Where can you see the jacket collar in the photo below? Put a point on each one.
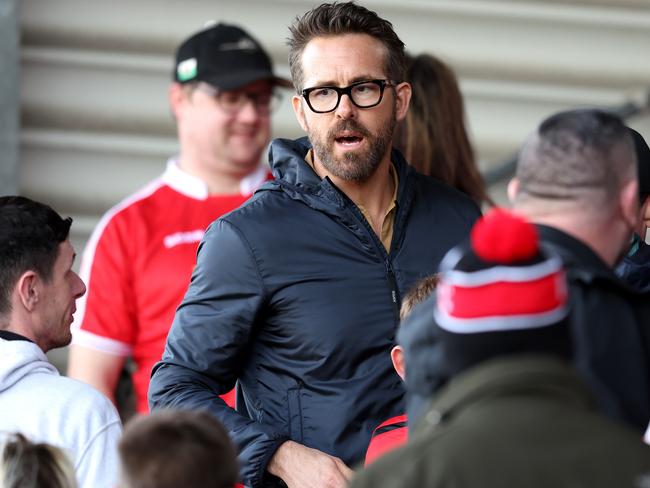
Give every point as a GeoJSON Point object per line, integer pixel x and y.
{"type": "Point", "coordinates": [7, 335]}
{"type": "Point", "coordinates": [534, 375]}
{"type": "Point", "coordinates": [579, 258]}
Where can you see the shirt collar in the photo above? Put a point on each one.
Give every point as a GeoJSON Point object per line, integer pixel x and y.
{"type": "Point", "coordinates": [7, 335]}
{"type": "Point", "coordinates": [194, 187]}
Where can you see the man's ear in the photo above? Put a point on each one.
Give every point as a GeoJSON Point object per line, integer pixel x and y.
{"type": "Point", "coordinates": [513, 189]}
{"type": "Point", "coordinates": [28, 289]}
{"type": "Point", "coordinates": [402, 100]}
{"type": "Point", "coordinates": [629, 204]}
{"type": "Point", "coordinates": [644, 217]}
{"type": "Point", "coordinates": [177, 97]}
{"type": "Point", "coordinates": [397, 356]}
{"type": "Point", "coordinates": [299, 110]}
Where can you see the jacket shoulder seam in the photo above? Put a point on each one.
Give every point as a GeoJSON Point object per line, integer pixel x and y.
{"type": "Point", "coordinates": [249, 248]}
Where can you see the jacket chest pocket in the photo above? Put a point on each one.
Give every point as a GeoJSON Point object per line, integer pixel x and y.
{"type": "Point", "coordinates": [295, 414]}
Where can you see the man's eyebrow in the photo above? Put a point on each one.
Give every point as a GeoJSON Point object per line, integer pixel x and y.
{"type": "Point", "coordinates": [356, 79]}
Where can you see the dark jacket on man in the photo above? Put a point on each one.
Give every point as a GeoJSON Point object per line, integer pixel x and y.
{"type": "Point", "coordinates": [296, 299]}
{"type": "Point", "coordinates": [634, 268]}
{"type": "Point", "coordinates": [610, 325]}
{"type": "Point", "coordinates": [516, 421]}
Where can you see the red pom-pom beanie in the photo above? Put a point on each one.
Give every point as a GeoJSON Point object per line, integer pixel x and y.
{"type": "Point", "coordinates": [501, 293]}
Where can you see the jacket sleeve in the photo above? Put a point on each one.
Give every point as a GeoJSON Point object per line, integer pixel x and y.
{"type": "Point", "coordinates": [208, 341]}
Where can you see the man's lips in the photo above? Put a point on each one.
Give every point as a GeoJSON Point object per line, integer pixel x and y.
{"type": "Point", "coordinates": [349, 138]}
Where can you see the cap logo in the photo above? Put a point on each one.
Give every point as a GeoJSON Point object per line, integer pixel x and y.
{"type": "Point", "coordinates": [243, 44]}
{"type": "Point", "coordinates": [187, 69]}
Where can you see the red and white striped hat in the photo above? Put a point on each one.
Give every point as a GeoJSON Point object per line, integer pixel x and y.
{"type": "Point", "coordinates": [503, 280]}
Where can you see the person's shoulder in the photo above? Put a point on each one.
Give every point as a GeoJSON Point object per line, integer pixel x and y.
{"type": "Point", "coordinates": [420, 462]}
{"type": "Point", "coordinates": [132, 211]}
{"type": "Point", "coordinates": [437, 190]}
{"type": "Point", "coordinates": [443, 199]}
{"type": "Point", "coordinates": [88, 401]}
{"type": "Point", "coordinates": [267, 205]}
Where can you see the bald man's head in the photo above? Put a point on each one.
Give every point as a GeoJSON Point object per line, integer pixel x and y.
{"type": "Point", "coordinates": [581, 156]}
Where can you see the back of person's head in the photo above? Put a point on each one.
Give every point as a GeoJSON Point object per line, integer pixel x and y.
{"type": "Point", "coordinates": [500, 294]}
{"type": "Point", "coordinates": [25, 464]}
{"type": "Point", "coordinates": [433, 137]}
{"type": "Point", "coordinates": [417, 294]}
{"type": "Point", "coordinates": [174, 448]}
{"type": "Point", "coordinates": [341, 18]}
{"type": "Point", "coordinates": [30, 234]}
{"type": "Point", "coordinates": [577, 159]}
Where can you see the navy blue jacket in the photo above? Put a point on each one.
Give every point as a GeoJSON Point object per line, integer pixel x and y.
{"type": "Point", "coordinates": [295, 297]}
{"type": "Point", "coordinates": [634, 268]}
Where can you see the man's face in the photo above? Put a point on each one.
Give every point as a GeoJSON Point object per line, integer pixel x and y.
{"type": "Point", "coordinates": [350, 142]}
{"type": "Point", "coordinates": [224, 140]}
{"type": "Point", "coordinates": [59, 295]}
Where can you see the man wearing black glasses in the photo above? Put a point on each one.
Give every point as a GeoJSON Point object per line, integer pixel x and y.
{"type": "Point", "coordinates": [296, 294]}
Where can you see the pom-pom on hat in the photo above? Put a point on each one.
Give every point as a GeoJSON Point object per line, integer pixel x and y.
{"type": "Point", "coordinates": [503, 281]}
{"type": "Point", "coordinates": [500, 293]}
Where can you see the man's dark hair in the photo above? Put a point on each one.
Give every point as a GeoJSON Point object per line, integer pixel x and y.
{"type": "Point", "coordinates": [577, 153]}
{"type": "Point", "coordinates": [30, 234]}
{"type": "Point", "coordinates": [422, 289]}
{"type": "Point", "coordinates": [339, 18]}
{"type": "Point", "coordinates": [172, 448]}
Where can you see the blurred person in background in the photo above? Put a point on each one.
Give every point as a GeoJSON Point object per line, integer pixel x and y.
{"type": "Point", "coordinates": [138, 262]}
{"type": "Point", "coordinates": [433, 136]}
{"type": "Point", "coordinates": [177, 448]}
{"type": "Point", "coordinates": [38, 294]}
{"type": "Point", "coordinates": [24, 464]}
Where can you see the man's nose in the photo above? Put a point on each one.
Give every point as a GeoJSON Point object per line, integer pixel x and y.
{"type": "Point", "coordinates": [79, 287]}
{"type": "Point", "coordinates": [346, 109]}
{"type": "Point", "coordinates": [249, 111]}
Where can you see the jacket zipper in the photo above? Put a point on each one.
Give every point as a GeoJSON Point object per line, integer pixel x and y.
{"type": "Point", "coordinates": [392, 282]}
{"type": "Point", "coordinates": [390, 274]}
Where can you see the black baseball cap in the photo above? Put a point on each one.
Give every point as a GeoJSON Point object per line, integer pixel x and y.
{"type": "Point", "coordinates": [224, 56]}
{"type": "Point", "coordinates": [643, 161]}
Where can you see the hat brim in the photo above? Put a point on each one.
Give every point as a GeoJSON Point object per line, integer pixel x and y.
{"type": "Point", "coordinates": [241, 79]}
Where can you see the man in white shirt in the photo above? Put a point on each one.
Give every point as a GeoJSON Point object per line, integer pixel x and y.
{"type": "Point", "coordinates": [38, 291]}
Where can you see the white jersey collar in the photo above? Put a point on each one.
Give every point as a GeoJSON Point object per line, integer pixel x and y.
{"type": "Point", "coordinates": [195, 187]}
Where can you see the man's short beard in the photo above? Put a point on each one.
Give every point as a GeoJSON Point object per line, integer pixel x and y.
{"type": "Point", "coordinates": [354, 166]}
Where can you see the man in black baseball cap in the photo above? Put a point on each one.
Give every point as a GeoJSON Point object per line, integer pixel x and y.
{"type": "Point", "coordinates": [226, 57]}
{"type": "Point", "coordinates": [140, 258]}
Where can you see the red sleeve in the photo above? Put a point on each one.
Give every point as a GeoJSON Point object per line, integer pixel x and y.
{"type": "Point", "coordinates": [105, 319]}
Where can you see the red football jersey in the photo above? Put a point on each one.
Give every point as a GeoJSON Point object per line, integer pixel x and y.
{"type": "Point", "coordinates": [388, 435]}
{"type": "Point", "coordinates": [137, 267]}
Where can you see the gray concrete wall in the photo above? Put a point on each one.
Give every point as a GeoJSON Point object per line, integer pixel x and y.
{"type": "Point", "coordinates": [9, 111]}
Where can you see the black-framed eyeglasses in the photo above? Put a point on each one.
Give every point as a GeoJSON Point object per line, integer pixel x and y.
{"type": "Point", "coordinates": [234, 100]}
{"type": "Point", "coordinates": [364, 94]}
